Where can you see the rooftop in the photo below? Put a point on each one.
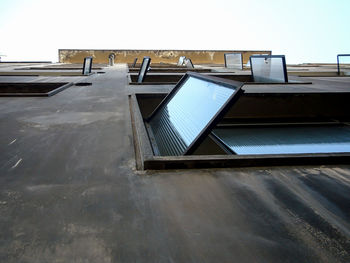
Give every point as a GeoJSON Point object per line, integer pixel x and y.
{"type": "Point", "coordinates": [70, 189]}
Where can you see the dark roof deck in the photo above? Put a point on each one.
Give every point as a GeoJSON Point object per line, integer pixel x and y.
{"type": "Point", "coordinates": [69, 189]}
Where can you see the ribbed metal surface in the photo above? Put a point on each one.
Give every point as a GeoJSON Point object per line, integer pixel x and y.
{"type": "Point", "coordinates": [286, 140]}
{"type": "Point", "coordinates": [178, 123]}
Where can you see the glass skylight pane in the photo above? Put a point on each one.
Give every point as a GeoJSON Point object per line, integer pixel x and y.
{"type": "Point", "coordinates": [234, 61]}
{"type": "Point", "coordinates": [269, 69]}
{"type": "Point", "coordinates": [143, 69]}
{"type": "Point", "coordinates": [179, 122]}
{"type": "Point", "coordinates": [286, 140]}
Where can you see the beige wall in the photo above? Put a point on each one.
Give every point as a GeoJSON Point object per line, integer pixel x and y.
{"type": "Point", "coordinates": [157, 56]}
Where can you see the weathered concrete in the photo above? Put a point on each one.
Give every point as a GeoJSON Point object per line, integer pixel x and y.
{"type": "Point", "coordinates": [157, 56]}
{"type": "Point", "coordinates": [69, 192]}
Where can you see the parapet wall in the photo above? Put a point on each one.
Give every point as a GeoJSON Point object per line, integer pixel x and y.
{"type": "Point", "coordinates": [157, 56]}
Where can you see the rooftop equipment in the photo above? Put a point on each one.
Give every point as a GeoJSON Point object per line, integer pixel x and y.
{"type": "Point", "coordinates": [111, 59]}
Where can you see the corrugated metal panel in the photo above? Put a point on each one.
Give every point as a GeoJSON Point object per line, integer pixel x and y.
{"type": "Point", "coordinates": [179, 122]}
{"type": "Point", "coordinates": [286, 140]}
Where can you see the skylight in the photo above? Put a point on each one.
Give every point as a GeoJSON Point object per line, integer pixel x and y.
{"type": "Point", "coordinates": [185, 117]}
{"type": "Point", "coordinates": [181, 61]}
{"type": "Point", "coordinates": [269, 68]}
{"type": "Point", "coordinates": [143, 69]}
{"type": "Point", "coordinates": [233, 60]}
{"type": "Point", "coordinates": [343, 59]}
{"type": "Point", "coordinates": [87, 66]}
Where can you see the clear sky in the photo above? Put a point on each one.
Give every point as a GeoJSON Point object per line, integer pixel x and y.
{"type": "Point", "coordinates": [303, 30]}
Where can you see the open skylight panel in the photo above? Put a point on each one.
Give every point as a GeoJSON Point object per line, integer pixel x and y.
{"type": "Point", "coordinates": [143, 69]}
{"type": "Point", "coordinates": [269, 69]}
{"type": "Point", "coordinates": [134, 63]}
{"type": "Point", "coordinates": [87, 66]}
{"type": "Point", "coordinates": [343, 63]}
{"type": "Point", "coordinates": [188, 63]}
{"type": "Point", "coordinates": [181, 61]}
{"type": "Point", "coordinates": [185, 117]}
{"type": "Point", "coordinates": [233, 61]}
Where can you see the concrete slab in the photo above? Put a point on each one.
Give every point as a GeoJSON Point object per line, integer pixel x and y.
{"type": "Point", "coordinates": [69, 192]}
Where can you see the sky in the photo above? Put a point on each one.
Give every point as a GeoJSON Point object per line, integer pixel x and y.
{"type": "Point", "coordinates": [302, 30]}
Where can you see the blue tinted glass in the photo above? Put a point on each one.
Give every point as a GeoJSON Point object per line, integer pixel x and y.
{"type": "Point", "coordinates": [286, 140]}
{"type": "Point", "coordinates": [178, 123]}
{"type": "Point", "coordinates": [268, 69]}
{"type": "Point", "coordinates": [234, 60]}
